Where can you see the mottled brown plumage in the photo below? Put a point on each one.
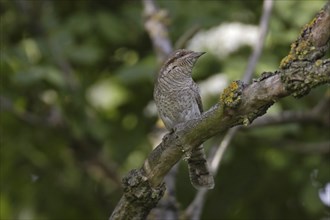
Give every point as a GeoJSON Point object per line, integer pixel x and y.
{"type": "Point", "coordinates": [178, 100]}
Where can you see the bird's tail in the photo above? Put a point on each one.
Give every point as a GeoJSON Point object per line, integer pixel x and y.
{"type": "Point", "coordinates": [199, 172]}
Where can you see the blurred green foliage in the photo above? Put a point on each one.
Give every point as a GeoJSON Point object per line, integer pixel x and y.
{"type": "Point", "coordinates": [76, 87]}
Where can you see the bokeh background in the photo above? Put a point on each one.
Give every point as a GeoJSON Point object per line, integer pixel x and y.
{"type": "Point", "coordinates": [77, 112]}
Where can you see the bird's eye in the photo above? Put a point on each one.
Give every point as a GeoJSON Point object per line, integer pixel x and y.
{"type": "Point", "coordinates": [179, 54]}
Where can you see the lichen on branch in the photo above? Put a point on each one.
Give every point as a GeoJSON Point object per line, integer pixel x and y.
{"type": "Point", "coordinates": [313, 40]}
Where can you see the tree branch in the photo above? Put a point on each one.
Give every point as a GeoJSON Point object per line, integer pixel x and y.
{"type": "Point", "coordinates": [239, 104]}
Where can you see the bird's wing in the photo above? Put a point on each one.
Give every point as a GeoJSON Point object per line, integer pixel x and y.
{"type": "Point", "coordinates": [197, 97]}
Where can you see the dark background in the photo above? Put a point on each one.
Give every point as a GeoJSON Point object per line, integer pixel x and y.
{"type": "Point", "coordinates": [76, 111]}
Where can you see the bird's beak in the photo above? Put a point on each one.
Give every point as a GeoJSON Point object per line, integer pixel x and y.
{"type": "Point", "coordinates": [198, 54]}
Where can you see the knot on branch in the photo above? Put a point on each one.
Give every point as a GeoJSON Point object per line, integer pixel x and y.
{"type": "Point", "coordinates": [138, 189]}
{"type": "Point", "coordinates": [304, 76]}
{"type": "Point", "coordinates": [231, 96]}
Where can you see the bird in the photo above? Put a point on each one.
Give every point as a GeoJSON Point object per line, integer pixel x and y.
{"type": "Point", "coordinates": [178, 100]}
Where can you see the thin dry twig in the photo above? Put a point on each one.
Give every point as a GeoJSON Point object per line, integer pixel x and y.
{"type": "Point", "coordinates": [263, 29]}
{"type": "Point", "coordinates": [155, 25]}
{"type": "Point", "coordinates": [319, 115]}
{"type": "Point", "coordinates": [182, 41]}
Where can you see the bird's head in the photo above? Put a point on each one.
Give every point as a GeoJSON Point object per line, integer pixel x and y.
{"type": "Point", "coordinates": [181, 61]}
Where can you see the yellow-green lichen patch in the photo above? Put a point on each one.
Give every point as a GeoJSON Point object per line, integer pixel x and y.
{"type": "Point", "coordinates": [231, 96]}
{"type": "Point", "coordinates": [318, 62]}
{"type": "Point", "coordinates": [302, 47]}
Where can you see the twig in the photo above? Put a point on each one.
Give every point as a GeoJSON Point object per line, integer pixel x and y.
{"type": "Point", "coordinates": [167, 208]}
{"type": "Point", "coordinates": [98, 167]}
{"type": "Point", "coordinates": [319, 114]}
{"type": "Point", "coordinates": [289, 117]}
{"type": "Point", "coordinates": [182, 41]}
{"type": "Point", "coordinates": [263, 29]}
{"type": "Point", "coordinates": [195, 208]}
{"type": "Point", "coordinates": [157, 30]}
{"type": "Point", "coordinates": [323, 105]}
